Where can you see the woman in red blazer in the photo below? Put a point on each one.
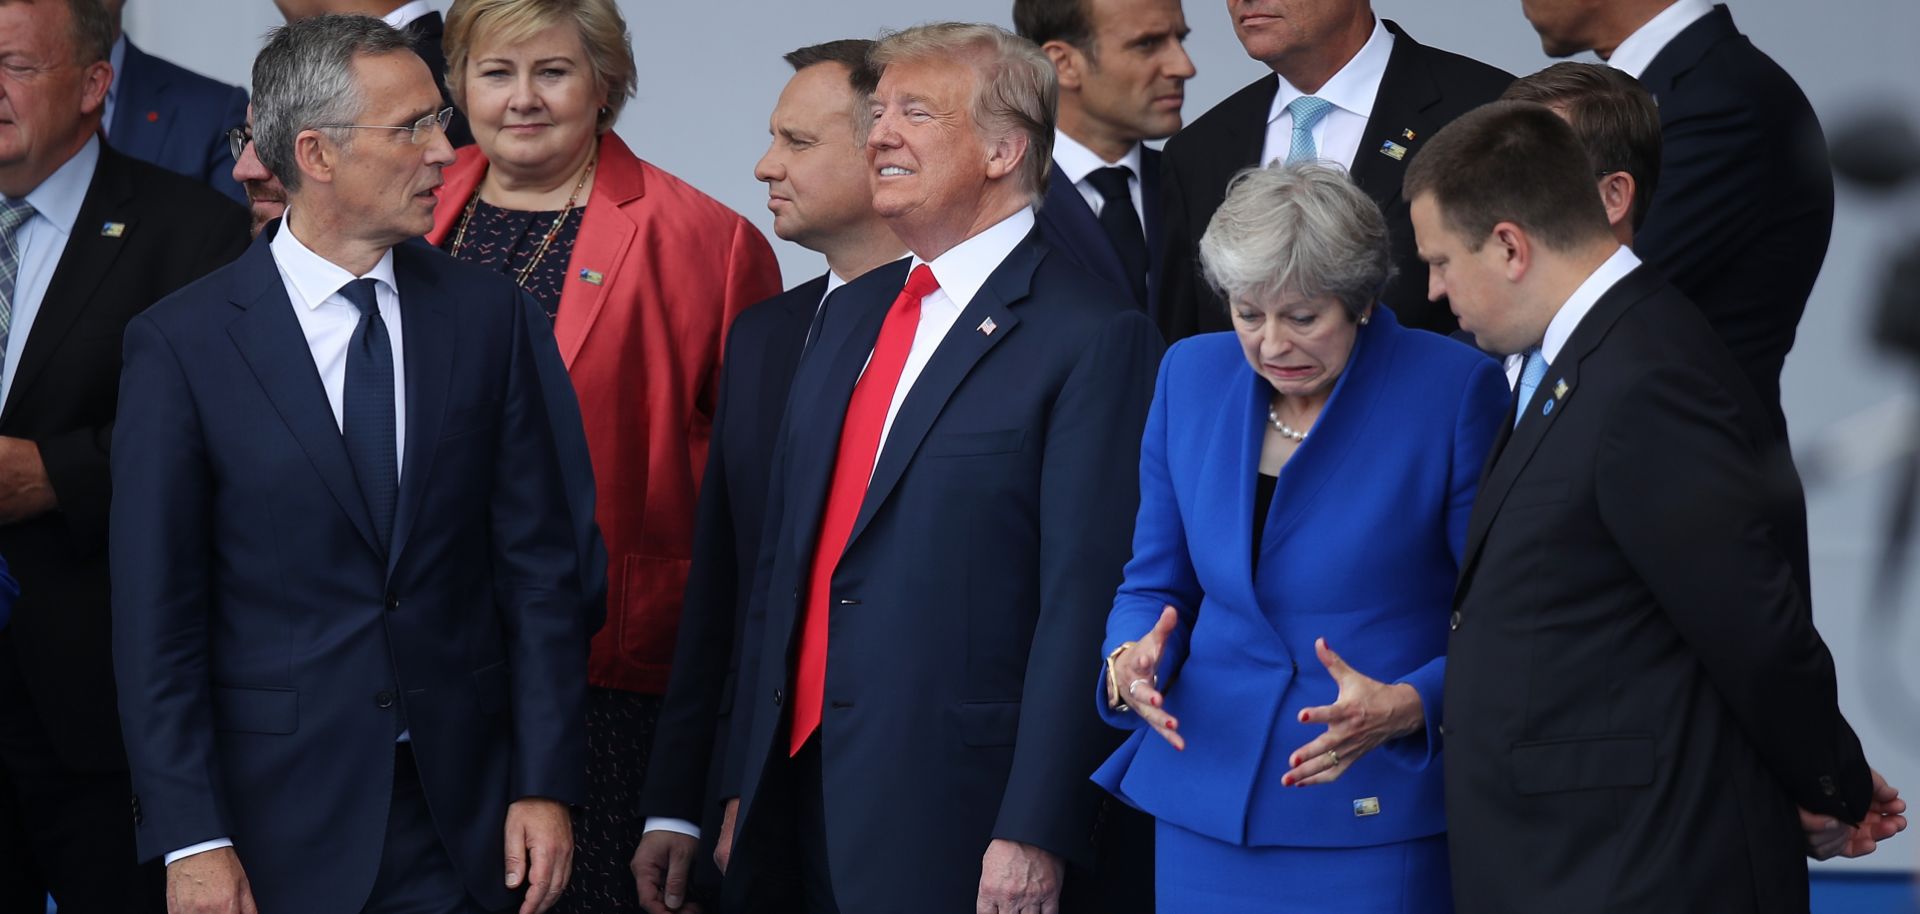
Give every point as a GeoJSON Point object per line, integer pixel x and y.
{"type": "Point", "coordinates": [641, 275]}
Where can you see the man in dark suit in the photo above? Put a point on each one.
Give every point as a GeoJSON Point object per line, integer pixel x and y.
{"type": "Point", "coordinates": [816, 175]}
{"type": "Point", "coordinates": [161, 112]}
{"type": "Point", "coordinates": [1347, 88]}
{"type": "Point", "coordinates": [1617, 124]}
{"type": "Point", "coordinates": [1744, 211]}
{"type": "Point", "coordinates": [955, 485]}
{"type": "Point", "coordinates": [347, 599]}
{"type": "Point", "coordinates": [1122, 75]}
{"type": "Point", "coordinates": [1633, 656]}
{"type": "Point", "coordinates": [424, 28]}
{"type": "Point", "coordinates": [88, 238]}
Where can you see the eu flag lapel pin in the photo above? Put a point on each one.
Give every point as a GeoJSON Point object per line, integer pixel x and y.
{"type": "Point", "coordinates": [1393, 150]}
{"type": "Point", "coordinates": [987, 327]}
{"type": "Point", "coordinates": [113, 229]}
{"type": "Point", "coordinates": [593, 277]}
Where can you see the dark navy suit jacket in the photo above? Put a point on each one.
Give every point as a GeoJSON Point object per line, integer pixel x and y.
{"type": "Point", "coordinates": [1071, 228]}
{"type": "Point", "coordinates": [1361, 546]}
{"type": "Point", "coordinates": [971, 589]}
{"type": "Point", "coordinates": [177, 119]}
{"type": "Point", "coordinates": [264, 643]}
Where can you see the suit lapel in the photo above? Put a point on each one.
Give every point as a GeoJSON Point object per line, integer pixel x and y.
{"type": "Point", "coordinates": [1079, 229]}
{"type": "Point", "coordinates": [1686, 50]}
{"type": "Point", "coordinates": [269, 338]}
{"type": "Point", "coordinates": [88, 258]}
{"type": "Point", "coordinates": [951, 361]}
{"type": "Point", "coordinates": [143, 89]}
{"type": "Point", "coordinates": [606, 232]}
{"type": "Point", "coordinates": [1407, 89]}
{"type": "Point", "coordinates": [1150, 202]}
{"type": "Point", "coordinates": [427, 343]}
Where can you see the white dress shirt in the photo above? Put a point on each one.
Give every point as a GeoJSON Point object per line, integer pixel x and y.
{"type": "Point", "coordinates": [1634, 54]}
{"type": "Point", "coordinates": [1577, 305]}
{"type": "Point", "coordinates": [1076, 161]}
{"type": "Point", "coordinates": [40, 241]}
{"type": "Point", "coordinates": [328, 320]}
{"type": "Point", "coordinates": [407, 13]}
{"type": "Point", "coordinates": [1352, 91]}
{"type": "Point", "coordinates": [117, 58]}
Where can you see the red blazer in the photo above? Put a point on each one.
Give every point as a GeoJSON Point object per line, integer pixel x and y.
{"type": "Point", "coordinates": [658, 273]}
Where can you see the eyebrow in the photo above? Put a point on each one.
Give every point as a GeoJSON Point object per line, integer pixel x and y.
{"type": "Point", "coordinates": [559, 59]}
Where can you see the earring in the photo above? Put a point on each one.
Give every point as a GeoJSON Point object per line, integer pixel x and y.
{"type": "Point", "coordinates": [1364, 318]}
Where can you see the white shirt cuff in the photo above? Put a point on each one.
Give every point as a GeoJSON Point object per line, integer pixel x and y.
{"type": "Point", "coordinates": [677, 826]}
{"type": "Point", "coordinates": [200, 848]}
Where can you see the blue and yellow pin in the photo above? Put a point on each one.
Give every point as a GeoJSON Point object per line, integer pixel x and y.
{"type": "Point", "coordinates": [113, 229]}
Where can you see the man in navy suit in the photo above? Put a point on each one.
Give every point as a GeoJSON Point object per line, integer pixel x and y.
{"type": "Point", "coordinates": [161, 112]}
{"type": "Point", "coordinates": [1744, 210]}
{"type": "Point", "coordinates": [816, 176]}
{"type": "Point", "coordinates": [948, 517]}
{"type": "Point", "coordinates": [347, 616]}
{"type": "Point", "coordinates": [1122, 75]}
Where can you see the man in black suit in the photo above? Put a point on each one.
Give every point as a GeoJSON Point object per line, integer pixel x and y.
{"type": "Point", "coordinates": [1347, 88]}
{"type": "Point", "coordinates": [1744, 211]}
{"type": "Point", "coordinates": [91, 237]}
{"type": "Point", "coordinates": [424, 28]}
{"type": "Point", "coordinates": [1635, 691]}
{"type": "Point", "coordinates": [954, 495]}
{"type": "Point", "coordinates": [816, 175]}
{"type": "Point", "coordinates": [1123, 76]}
{"type": "Point", "coordinates": [1618, 125]}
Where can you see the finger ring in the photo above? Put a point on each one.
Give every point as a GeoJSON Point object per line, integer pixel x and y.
{"type": "Point", "coordinates": [1134, 685]}
{"type": "Point", "coordinates": [1333, 755]}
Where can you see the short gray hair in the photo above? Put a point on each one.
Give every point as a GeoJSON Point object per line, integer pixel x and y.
{"type": "Point", "coordinates": [304, 77]}
{"type": "Point", "coordinates": [1304, 230]}
{"type": "Point", "coordinates": [1014, 92]}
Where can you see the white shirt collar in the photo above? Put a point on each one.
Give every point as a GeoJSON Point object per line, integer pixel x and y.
{"type": "Point", "coordinates": [1353, 88]}
{"type": "Point", "coordinates": [1076, 161]}
{"type": "Point", "coordinates": [1638, 51]}
{"type": "Point", "coordinates": [833, 282]}
{"type": "Point", "coordinates": [407, 13]}
{"type": "Point", "coordinates": [58, 198]}
{"type": "Point", "coordinates": [964, 268]}
{"type": "Point", "coordinates": [1561, 328]}
{"type": "Point", "coordinates": [315, 277]}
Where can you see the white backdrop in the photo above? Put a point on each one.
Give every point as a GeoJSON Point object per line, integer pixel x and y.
{"type": "Point", "coordinates": [710, 71]}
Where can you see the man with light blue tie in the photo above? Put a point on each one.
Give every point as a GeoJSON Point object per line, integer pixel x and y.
{"type": "Point", "coordinates": [1347, 88]}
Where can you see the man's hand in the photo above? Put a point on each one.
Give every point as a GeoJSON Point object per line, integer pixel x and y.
{"type": "Point", "coordinates": [1828, 837]}
{"type": "Point", "coordinates": [24, 489]}
{"type": "Point", "coordinates": [539, 851]}
{"type": "Point", "coordinates": [211, 882]}
{"type": "Point", "coordinates": [660, 868]}
{"type": "Point", "coordinates": [1019, 878]}
{"type": "Point", "coordinates": [723, 846]}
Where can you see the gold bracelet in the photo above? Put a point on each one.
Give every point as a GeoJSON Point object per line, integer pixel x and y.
{"type": "Point", "coordinates": [1114, 701]}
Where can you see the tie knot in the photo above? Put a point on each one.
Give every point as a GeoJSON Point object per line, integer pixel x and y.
{"type": "Point", "coordinates": [13, 213]}
{"type": "Point", "coordinates": [920, 284]}
{"type": "Point", "coordinates": [1111, 181]}
{"type": "Point", "coordinates": [360, 293]}
{"type": "Point", "coordinates": [1307, 110]}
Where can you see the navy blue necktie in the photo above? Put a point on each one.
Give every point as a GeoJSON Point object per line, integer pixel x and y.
{"type": "Point", "coordinates": [1121, 222]}
{"type": "Point", "coordinates": [367, 421]}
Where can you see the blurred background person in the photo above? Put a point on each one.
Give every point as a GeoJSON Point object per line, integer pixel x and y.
{"type": "Point", "coordinates": [640, 275]}
{"type": "Point", "coordinates": [422, 25]}
{"type": "Point", "coordinates": [88, 238]}
{"type": "Point", "coordinates": [1618, 125]}
{"type": "Point", "coordinates": [1123, 74]}
{"type": "Point", "coordinates": [1744, 211]}
{"type": "Point", "coordinates": [1306, 483]}
{"type": "Point", "coordinates": [1347, 88]}
{"type": "Point", "coordinates": [815, 170]}
{"type": "Point", "coordinates": [163, 113]}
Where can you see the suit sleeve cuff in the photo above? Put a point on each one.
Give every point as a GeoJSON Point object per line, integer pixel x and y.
{"type": "Point", "coordinates": [677, 826]}
{"type": "Point", "coordinates": [1417, 750]}
{"type": "Point", "coordinates": [200, 848]}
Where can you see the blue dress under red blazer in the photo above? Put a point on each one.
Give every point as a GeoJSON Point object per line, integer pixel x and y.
{"type": "Point", "coordinates": [1362, 546]}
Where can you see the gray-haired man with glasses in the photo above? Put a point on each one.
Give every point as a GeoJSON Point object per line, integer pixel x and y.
{"type": "Point", "coordinates": [347, 617]}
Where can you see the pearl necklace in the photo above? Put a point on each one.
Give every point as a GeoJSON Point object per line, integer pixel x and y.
{"type": "Point", "coordinates": [1285, 430]}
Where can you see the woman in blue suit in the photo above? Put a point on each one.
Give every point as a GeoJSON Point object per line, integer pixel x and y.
{"type": "Point", "coordinates": [1305, 483]}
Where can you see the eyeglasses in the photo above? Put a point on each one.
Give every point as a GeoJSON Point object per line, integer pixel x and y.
{"type": "Point", "coordinates": [422, 129]}
{"type": "Point", "coordinates": [237, 140]}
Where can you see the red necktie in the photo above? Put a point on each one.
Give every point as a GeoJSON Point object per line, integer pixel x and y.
{"type": "Point", "coordinates": [852, 469]}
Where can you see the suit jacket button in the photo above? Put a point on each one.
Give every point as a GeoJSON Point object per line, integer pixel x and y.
{"type": "Point", "coordinates": [778, 697]}
{"type": "Point", "coordinates": [1443, 729]}
{"type": "Point", "coordinates": [393, 602]}
{"type": "Point", "coordinates": [1826, 785]}
{"type": "Point", "coordinates": [383, 699]}
{"type": "Point", "coordinates": [1453, 624]}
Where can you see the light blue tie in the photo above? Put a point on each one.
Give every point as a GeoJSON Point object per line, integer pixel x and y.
{"type": "Point", "coordinates": [1531, 375]}
{"type": "Point", "coordinates": [13, 214]}
{"type": "Point", "coordinates": [1307, 112]}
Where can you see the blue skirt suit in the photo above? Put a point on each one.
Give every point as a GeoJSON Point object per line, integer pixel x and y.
{"type": "Point", "coordinates": [1361, 545]}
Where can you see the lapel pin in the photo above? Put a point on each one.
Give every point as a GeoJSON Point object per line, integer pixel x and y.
{"type": "Point", "coordinates": [1366, 806]}
{"type": "Point", "coordinates": [1407, 134]}
{"type": "Point", "coordinates": [1560, 388]}
{"type": "Point", "coordinates": [987, 327]}
{"type": "Point", "coordinates": [593, 276]}
{"type": "Point", "coordinates": [153, 117]}
{"type": "Point", "coordinates": [113, 229]}
{"type": "Point", "coordinates": [1546, 409]}
{"type": "Point", "coordinates": [1393, 150]}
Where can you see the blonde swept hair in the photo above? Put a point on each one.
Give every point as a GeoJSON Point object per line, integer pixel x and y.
{"type": "Point", "coordinates": [603, 33]}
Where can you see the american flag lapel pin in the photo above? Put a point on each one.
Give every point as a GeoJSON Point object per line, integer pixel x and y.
{"type": "Point", "coordinates": [987, 327]}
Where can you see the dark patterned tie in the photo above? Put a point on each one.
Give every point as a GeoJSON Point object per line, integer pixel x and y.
{"type": "Point", "coordinates": [1122, 224]}
{"type": "Point", "coordinates": [367, 421]}
{"type": "Point", "coordinates": [13, 214]}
